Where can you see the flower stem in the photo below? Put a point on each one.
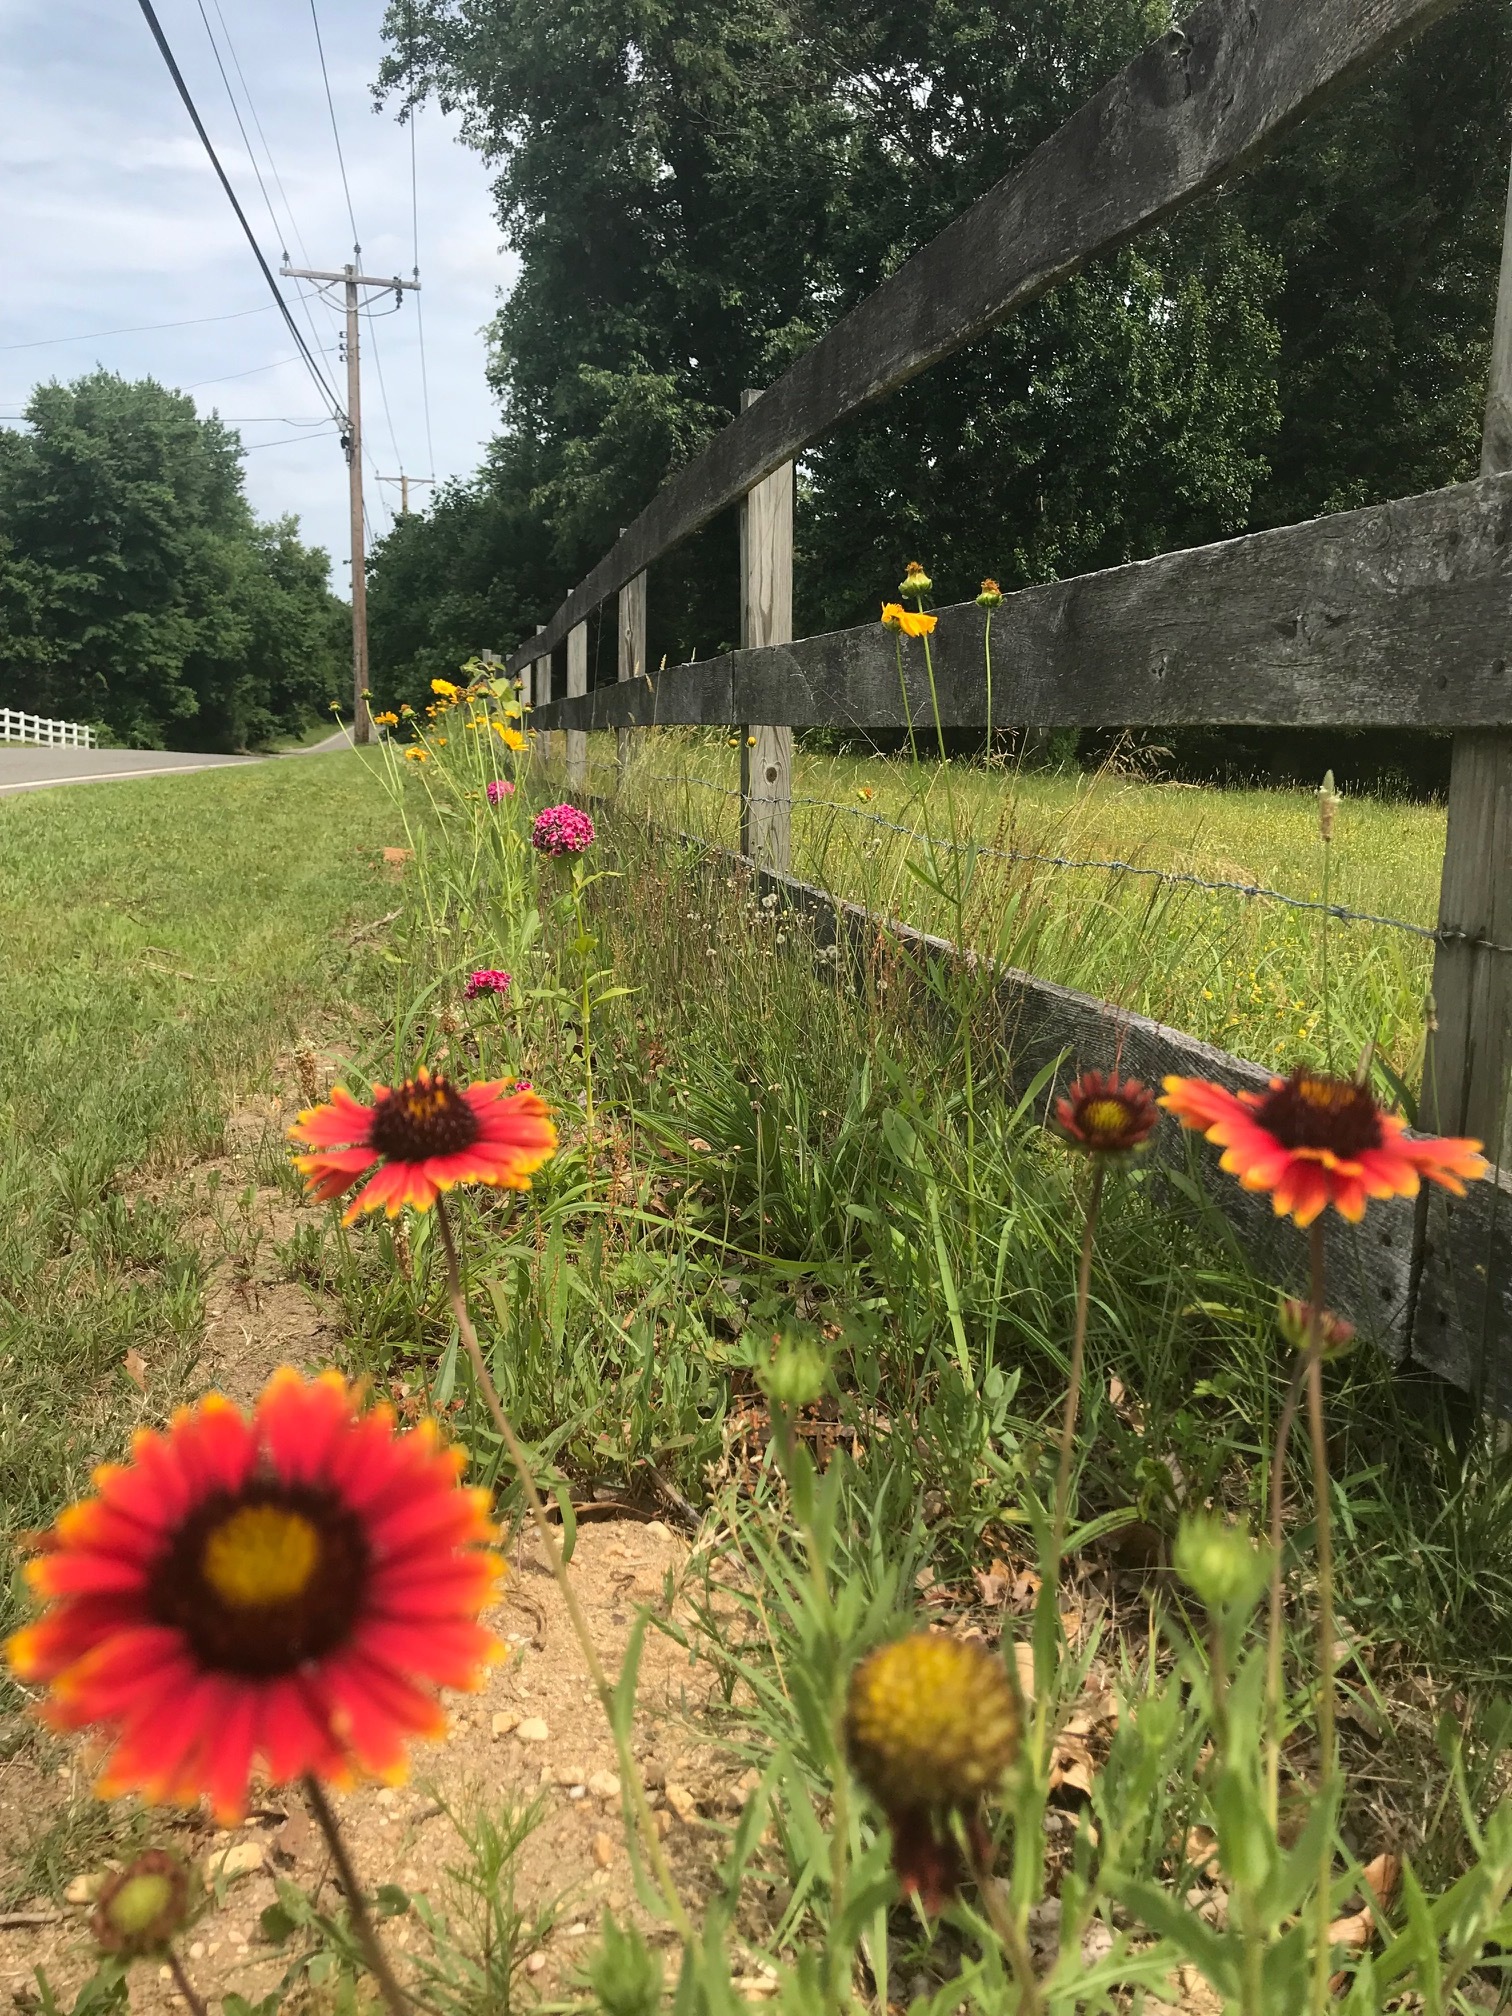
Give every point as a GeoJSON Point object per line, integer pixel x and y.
{"type": "Point", "coordinates": [995, 1902]}
{"type": "Point", "coordinates": [1078, 1360]}
{"type": "Point", "coordinates": [629, 1770]}
{"type": "Point", "coordinates": [367, 1936]}
{"type": "Point", "coordinates": [987, 654]}
{"type": "Point", "coordinates": [185, 1986]}
{"type": "Point", "coordinates": [1326, 1745]}
{"type": "Point", "coordinates": [1273, 1628]}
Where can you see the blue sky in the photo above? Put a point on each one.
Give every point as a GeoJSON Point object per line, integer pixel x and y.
{"type": "Point", "coordinates": [113, 218]}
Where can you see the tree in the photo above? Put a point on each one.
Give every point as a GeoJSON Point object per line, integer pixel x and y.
{"type": "Point", "coordinates": [137, 590]}
{"type": "Point", "coordinates": [698, 188]}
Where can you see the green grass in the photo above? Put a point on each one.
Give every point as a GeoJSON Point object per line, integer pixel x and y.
{"type": "Point", "coordinates": [1240, 972]}
{"type": "Point", "coordinates": [776, 1155]}
{"type": "Point", "coordinates": [163, 939]}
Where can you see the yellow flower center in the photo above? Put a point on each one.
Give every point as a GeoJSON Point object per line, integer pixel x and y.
{"type": "Point", "coordinates": [262, 1554]}
{"type": "Point", "coordinates": [1104, 1116]}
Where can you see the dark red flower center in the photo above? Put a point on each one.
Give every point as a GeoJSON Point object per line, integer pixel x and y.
{"type": "Point", "coordinates": [1313, 1110]}
{"type": "Point", "coordinates": [424, 1116]}
{"type": "Point", "coordinates": [262, 1579]}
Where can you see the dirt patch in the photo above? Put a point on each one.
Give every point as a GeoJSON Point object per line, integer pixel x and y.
{"type": "Point", "coordinates": [534, 1736]}
{"type": "Point", "coordinates": [534, 1741]}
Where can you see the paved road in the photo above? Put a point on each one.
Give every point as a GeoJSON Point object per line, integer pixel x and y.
{"type": "Point", "coordinates": [25, 768]}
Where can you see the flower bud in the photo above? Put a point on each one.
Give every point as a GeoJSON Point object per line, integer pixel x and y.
{"type": "Point", "coordinates": [991, 595]}
{"type": "Point", "coordinates": [915, 581]}
{"type": "Point", "coordinates": [795, 1374]}
{"type": "Point", "coordinates": [143, 1906]}
{"type": "Point", "coordinates": [1219, 1563]}
{"type": "Point", "coordinates": [1335, 1334]}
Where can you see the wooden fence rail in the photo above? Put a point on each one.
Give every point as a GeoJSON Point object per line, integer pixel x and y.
{"type": "Point", "coordinates": [1397, 615]}
{"type": "Point", "coordinates": [1400, 614]}
{"type": "Point", "coordinates": [37, 728]}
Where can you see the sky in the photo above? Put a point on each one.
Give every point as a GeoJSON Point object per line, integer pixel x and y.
{"type": "Point", "coordinates": [113, 219]}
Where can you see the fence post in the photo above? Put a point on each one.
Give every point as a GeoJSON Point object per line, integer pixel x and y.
{"type": "Point", "coordinates": [632, 656]}
{"type": "Point", "coordinates": [766, 617]}
{"type": "Point", "coordinates": [1470, 1048]}
{"type": "Point", "coordinates": [577, 683]}
{"type": "Point", "coordinates": [540, 696]}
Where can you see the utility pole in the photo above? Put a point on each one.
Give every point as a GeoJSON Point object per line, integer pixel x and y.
{"type": "Point", "coordinates": [404, 483]}
{"type": "Point", "coordinates": [362, 727]}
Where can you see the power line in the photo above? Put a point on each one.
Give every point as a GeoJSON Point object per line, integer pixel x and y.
{"type": "Point", "coordinates": [413, 111]}
{"type": "Point", "coordinates": [136, 329]}
{"type": "Point", "coordinates": [335, 131]}
{"type": "Point", "coordinates": [278, 231]}
{"type": "Point", "coordinates": [150, 15]}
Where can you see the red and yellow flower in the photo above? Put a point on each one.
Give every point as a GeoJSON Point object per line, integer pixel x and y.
{"type": "Point", "coordinates": [292, 1588]}
{"type": "Point", "coordinates": [1107, 1114]}
{"type": "Point", "coordinates": [426, 1136]}
{"type": "Point", "coordinates": [1313, 1140]}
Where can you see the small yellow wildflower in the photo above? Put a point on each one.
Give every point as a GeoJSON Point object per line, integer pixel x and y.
{"type": "Point", "coordinates": [416, 756]}
{"type": "Point", "coordinates": [510, 737]}
{"type": "Point", "coordinates": [446, 689]}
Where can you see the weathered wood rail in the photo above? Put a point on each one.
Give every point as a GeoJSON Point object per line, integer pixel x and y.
{"type": "Point", "coordinates": [1397, 615]}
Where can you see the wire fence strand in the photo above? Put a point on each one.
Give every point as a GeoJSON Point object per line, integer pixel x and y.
{"type": "Point", "coordinates": [1437, 934]}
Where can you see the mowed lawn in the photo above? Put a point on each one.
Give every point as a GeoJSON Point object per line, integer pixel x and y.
{"type": "Point", "coordinates": [1245, 972]}
{"type": "Point", "coordinates": [161, 942]}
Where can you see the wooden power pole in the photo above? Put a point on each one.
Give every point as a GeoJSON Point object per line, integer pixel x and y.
{"type": "Point", "coordinates": [404, 483]}
{"type": "Point", "coordinates": [362, 727]}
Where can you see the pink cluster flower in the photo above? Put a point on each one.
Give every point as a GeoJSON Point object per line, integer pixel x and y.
{"type": "Point", "coordinates": [487, 980]}
{"type": "Point", "coordinates": [561, 829]}
{"type": "Point", "coordinates": [499, 787]}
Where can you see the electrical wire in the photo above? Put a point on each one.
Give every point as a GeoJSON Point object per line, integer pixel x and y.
{"type": "Point", "coordinates": [137, 329]}
{"type": "Point", "coordinates": [301, 293]}
{"type": "Point", "coordinates": [335, 130]}
{"type": "Point", "coordinates": [414, 110]}
{"type": "Point", "coordinates": [150, 15]}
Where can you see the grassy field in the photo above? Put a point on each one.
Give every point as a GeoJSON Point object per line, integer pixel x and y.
{"type": "Point", "coordinates": [163, 941]}
{"type": "Point", "coordinates": [1242, 972]}
{"type": "Point", "coordinates": [764, 1177]}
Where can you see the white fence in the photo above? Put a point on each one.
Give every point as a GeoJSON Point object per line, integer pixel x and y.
{"type": "Point", "coordinates": [16, 727]}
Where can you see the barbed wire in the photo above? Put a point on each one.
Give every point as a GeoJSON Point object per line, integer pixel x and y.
{"type": "Point", "coordinates": [1439, 934]}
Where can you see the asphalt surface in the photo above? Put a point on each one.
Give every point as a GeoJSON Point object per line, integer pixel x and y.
{"type": "Point", "coordinates": [24, 767]}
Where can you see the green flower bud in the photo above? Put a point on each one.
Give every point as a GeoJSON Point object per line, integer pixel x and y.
{"type": "Point", "coordinates": [795, 1374]}
{"type": "Point", "coordinates": [1220, 1563]}
{"type": "Point", "coordinates": [143, 1906]}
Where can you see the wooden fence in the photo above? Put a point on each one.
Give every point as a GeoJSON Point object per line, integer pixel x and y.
{"type": "Point", "coordinates": [1397, 615]}
{"type": "Point", "coordinates": [17, 727]}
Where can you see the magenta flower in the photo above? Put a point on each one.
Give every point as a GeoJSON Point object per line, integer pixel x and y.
{"type": "Point", "coordinates": [561, 829]}
{"type": "Point", "coordinates": [499, 787]}
{"type": "Point", "coordinates": [523, 1085]}
{"type": "Point", "coordinates": [487, 980]}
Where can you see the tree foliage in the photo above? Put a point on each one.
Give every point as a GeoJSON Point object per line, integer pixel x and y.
{"type": "Point", "coordinates": [698, 188]}
{"type": "Point", "coordinates": [137, 589]}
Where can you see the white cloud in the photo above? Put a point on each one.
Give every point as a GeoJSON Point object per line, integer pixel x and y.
{"type": "Point", "coordinates": [114, 218]}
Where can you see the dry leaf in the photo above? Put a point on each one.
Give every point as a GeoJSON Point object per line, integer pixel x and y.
{"type": "Point", "coordinates": [1202, 1851]}
{"type": "Point", "coordinates": [134, 1365]}
{"type": "Point", "coordinates": [1381, 1877]}
{"type": "Point", "coordinates": [699, 1146]}
{"type": "Point", "coordinates": [1071, 1766]}
{"type": "Point", "coordinates": [1023, 1659]}
{"type": "Point", "coordinates": [994, 1584]}
{"type": "Point", "coordinates": [296, 1837]}
{"type": "Point", "coordinates": [395, 857]}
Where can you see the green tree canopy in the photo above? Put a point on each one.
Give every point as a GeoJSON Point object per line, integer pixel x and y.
{"type": "Point", "coordinates": [138, 590]}
{"type": "Point", "coordinates": [698, 188]}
